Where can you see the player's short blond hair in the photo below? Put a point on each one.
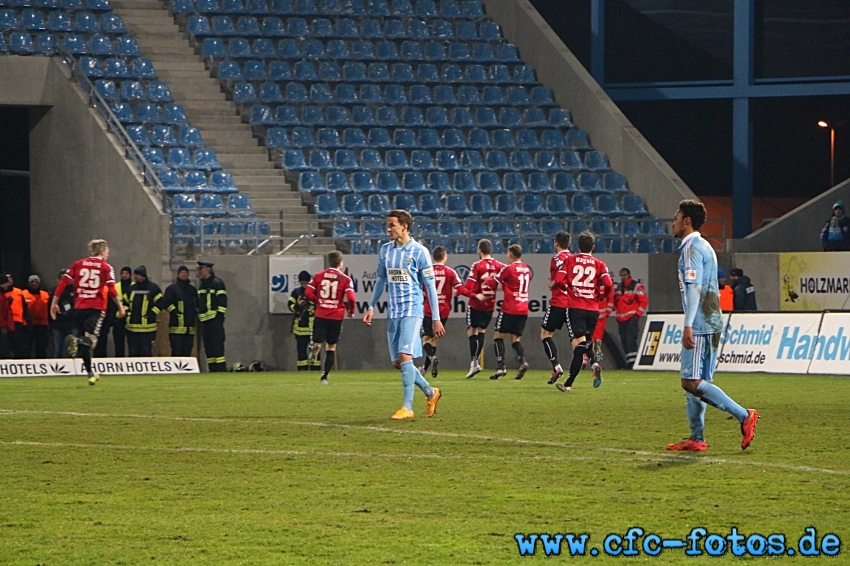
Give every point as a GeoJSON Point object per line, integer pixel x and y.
{"type": "Point", "coordinates": [97, 247]}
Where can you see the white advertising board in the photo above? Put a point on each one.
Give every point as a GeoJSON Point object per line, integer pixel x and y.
{"type": "Point", "coordinates": [283, 278]}
{"type": "Point", "coordinates": [661, 344]}
{"type": "Point", "coordinates": [777, 343]}
{"type": "Point", "coordinates": [831, 352]}
{"type": "Point", "coordinates": [103, 366]}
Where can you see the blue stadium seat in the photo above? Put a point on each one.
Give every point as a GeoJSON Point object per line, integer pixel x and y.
{"type": "Point", "coordinates": [147, 113]}
{"type": "Point", "coordinates": [272, 27]}
{"type": "Point", "coordinates": [195, 181]}
{"type": "Point", "coordinates": [386, 116]}
{"type": "Point", "coordinates": [438, 182]}
{"type": "Point", "coordinates": [75, 44]}
{"type": "Point", "coordinates": [354, 205]}
{"type": "Point", "coordinates": [412, 182]}
{"type": "Point", "coordinates": [279, 71]}
{"type": "Point", "coordinates": [132, 91]}
{"type": "Point", "coordinates": [106, 89]}
{"type": "Point", "coordinates": [257, 7]}
{"type": "Point", "coordinates": [651, 227]}
{"type": "Point", "coordinates": [507, 204]}
{"type": "Point", "coordinates": [229, 71]}
{"type": "Point", "coordinates": [489, 31]}
{"type": "Point", "coordinates": [492, 96]}
{"type": "Point", "coordinates": [582, 204]}
{"type": "Point", "coordinates": [459, 52]}
{"type": "Point", "coordinates": [546, 160]}
{"type": "Point", "coordinates": [264, 49]}
{"type": "Point", "coordinates": [396, 159]}
{"type": "Point", "coordinates": [289, 49]}
{"type": "Point", "coordinates": [420, 160]}
{"type": "Point", "coordinates": [180, 158]}
{"type": "Point", "coordinates": [560, 118]}
{"type": "Point", "coordinates": [116, 68]}
{"type": "Point", "coordinates": [542, 96]}
{"type": "Point", "coordinates": [479, 139]}
{"type": "Point", "coordinates": [520, 160]}
{"type": "Point", "coordinates": [208, 6]}
{"type": "Point", "coordinates": [514, 182]}
{"type": "Point", "coordinates": [406, 201]}
{"type": "Point", "coordinates": [552, 139]}
{"type": "Point", "coordinates": [183, 204]}
{"type": "Point", "coordinates": [403, 138]}
{"type": "Point", "coordinates": [453, 138]}
{"type": "Point", "coordinates": [174, 115]}
{"type": "Point", "coordinates": [437, 117]}
{"type": "Point", "coordinates": [387, 182]}
{"type": "Point", "coordinates": [464, 182]}
{"type": "Point", "coordinates": [379, 205]}
{"type": "Point", "coordinates": [337, 182]}
{"type": "Point", "coordinates": [296, 93]}
{"type": "Point", "coordinates": [327, 205]}
{"type": "Point", "coordinates": [470, 160]}
{"type": "Point", "coordinates": [282, 7]}
{"type": "Point", "coordinates": [45, 44]}
{"type": "Point", "coordinates": [154, 157]}
{"type": "Point", "coordinates": [373, 229]}
{"type": "Point", "coordinates": [564, 183]}
{"type": "Point", "coordinates": [394, 29]}
{"type": "Point", "coordinates": [429, 138]}
{"type": "Point", "coordinates": [503, 229]}
{"type": "Point", "coordinates": [558, 206]}
{"type": "Point", "coordinates": [633, 206]}
{"type": "Point", "coordinates": [431, 205]}
{"type": "Point", "coordinates": [596, 161]}
{"type": "Point", "coordinates": [496, 160]}
{"type": "Point", "coordinates": [170, 180]}
{"type": "Point", "coordinates": [354, 138]}
{"type": "Point", "coordinates": [371, 159]}
{"type": "Point", "coordinates": [607, 205]}
{"type": "Point", "coordinates": [538, 182]}
{"type": "Point", "coordinates": [490, 183]}
{"type": "Point", "coordinates": [222, 182]}
{"type": "Point", "coordinates": [163, 136]}
{"type": "Point", "coordinates": [254, 70]}
{"type": "Point", "coordinates": [362, 51]}
{"type": "Point", "coordinates": [99, 45]}
{"type": "Point", "coordinates": [320, 159]}
{"type": "Point", "coordinates": [570, 161]}
{"type": "Point", "coordinates": [206, 159]}
{"type": "Point", "coordinates": [379, 138]}
{"type": "Point", "coordinates": [481, 205]}
{"type": "Point", "coordinates": [456, 205]}
{"type": "Point", "coordinates": [498, 73]}
{"type": "Point", "coordinates": [446, 160]}
{"type": "Point", "coordinates": [362, 116]}
{"type": "Point", "coordinates": [615, 183]}
{"type": "Point", "coordinates": [244, 93]}
{"type": "Point", "coordinates": [122, 110]}
{"type": "Point", "coordinates": [363, 183]}
{"type": "Point", "coordinates": [57, 21]}
{"type": "Point", "coordinates": [302, 137]}
{"type": "Point", "coordinates": [647, 246]}
{"type": "Point", "coordinates": [461, 118]}
{"type": "Point", "coordinates": [328, 137]}
{"type": "Point", "coordinates": [590, 183]}
{"type": "Point", "coordinates": [345, 160]}
{"type": "Point", "coordinates": [238, 205]}
{"type": "Point", "coordinates": [577, 140]}
{"type": "Point", "coordinates": [91, 67]}
{"type": "Point", "coordinates": [527, 139]}
{"type": "Point", "coordinates": [86, 22]}
{"type": "Point", "coordinates": [502, 138]}
{"type": "Point", "coordinates": [312, 116]}
{"type": "Point", "coordinates": [112, 24]}
{"type": "Point", "coordinates": [223, 26]}
{"type": "Point", "coordinates": [270, 93]}
{"type": "Point", "coordinates": [293, 160]}
{"type": "Point", "coordinates": [517, 96]}
{"type": "Point", "coordinates": [286, 116]}
{"type": "Point", "coordinates": [604, 228]}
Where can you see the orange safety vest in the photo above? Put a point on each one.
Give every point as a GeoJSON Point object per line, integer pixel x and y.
{"type": "Point", "coordinates": [630, 300]}
{"type": "Point", "coordinates": [38, 306]}
{"type": "Point", "coordinates": [727, 299]}
{"type": "Point", "coordinates": [17, 305]}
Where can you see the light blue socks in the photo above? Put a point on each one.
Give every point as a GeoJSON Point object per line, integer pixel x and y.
{"type": "Point", "coordinates": [409, 377]}
{"type": "Point", "coordinates": [715, 396]}
{"type": "Point", "coordinates": [696, 416]}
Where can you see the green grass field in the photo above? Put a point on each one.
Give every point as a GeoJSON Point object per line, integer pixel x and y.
{"type": "Point", "coordinates": [271, 468]}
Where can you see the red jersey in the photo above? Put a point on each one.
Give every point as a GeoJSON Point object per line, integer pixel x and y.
{"type": "Point", "coordinates": [94, 283]}
{"type": "Point", "coordinates": [482, 269]}
{"type": "Point", "coordinates": [556, 262]}
{"type": "Point", "coordinates": [447, 281]}
{"type": "Point", "coordinates": [330, 289]}
{"type": "Point", "coordinates": [559, 298]}
{"type": "Point", "coordinates": [515, 279]}
{"type": "Point", "coordinates": [585, 279]}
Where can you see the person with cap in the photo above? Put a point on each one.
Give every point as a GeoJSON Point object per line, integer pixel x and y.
{"type": "Point", "coordinates": [745, 293]}
{"type": "Point", "coordinates": [94, 285]}
{"type": "Point", "coordinates": [23, 320]}
{"type": "Point", "coordinates": [181, 301]}
{"type": "Point", "coordinates": [65, 322]}
{"type": "Point", "coordinates": [727, 295]}
{"type": "Point", "coordinates": [212, 308]}
{"type": "Point", "coordinates": [835, 235]}
{"type": "Point", "coordinates": [302, 325]}
{"type": "Point", "coordinates": [37, 301]}
{"type": "Point", "coordinates": [7, 322]}
{"type": "Point", "coordinates": [145, 299]}
{"type": "Point", "coordinates": [119, 325]}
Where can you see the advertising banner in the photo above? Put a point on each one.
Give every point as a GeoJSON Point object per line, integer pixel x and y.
{"type": "Point", "coordinates": [283, 278]}
{"type": "Point", "coordinates": [103, 366]}
{"type": "Point", "coordinates": [831, 352]}
{"type": "Point", "coordinates": [661, 344]}
{"type": "Point", "coordinates": [814, 281]}
{"type": "Point", "coordinates": [362, 270]}
{"type": "Point", "coordinates": [777, 343]}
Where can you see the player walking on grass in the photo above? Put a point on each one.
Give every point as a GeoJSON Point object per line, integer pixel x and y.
{"type": "Point", "coordinates": [701, 335]}
{"type": "Point", "coordinates": [94, 285]}
{"type": "Point", "coordinates": [513, 314]}
{"type": "Point", "coordinates": [482, 302]}
{"type": "Point", "coordinates": [585, 279]}
{"type": "Point", "coordinates": [404, 266]}
{"type": "Point", "coordinates": [330, 290]}
{"type": "Point", "coordinates": [446, 282]}
{"type": "Point", "coordinates": [556, 310]}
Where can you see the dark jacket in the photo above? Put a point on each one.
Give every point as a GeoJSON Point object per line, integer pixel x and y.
{"type": "Point", "coordinates": [745, 294]}
{"type": "Point", "coordinates": [212, 299]}
{"type": "Point", "coordinates": [302, 323]}
{"type": "Point", "coordinates": [145, 305]}
{"type": "Point", "coordinates": [836, 225]}
{"type": "Point", "coordinates": [66, 320]}
{"type": "Point", "coordinates": [181, 300]}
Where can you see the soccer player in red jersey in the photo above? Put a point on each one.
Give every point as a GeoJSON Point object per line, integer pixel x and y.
{"type": "Point", "coordinates": [330, 289]}
{"type": "Point", "coordinates": [585, 278]}
{"type": "Point", "coordinates": [606, 308]}
{"type": "Point", "coordinates": [556, 311]}
{"type": "Point", "coordinates": [94, 285]}
{"type": "Point", "coordinates": [482, 301]}
{"type": "Point", "coordinates": [447, 282]}
{"type": "Point", "coordinates": [513, 314]}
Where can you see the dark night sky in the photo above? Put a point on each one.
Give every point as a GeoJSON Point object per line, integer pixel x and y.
{"type": "Point", "coordinates": [653, 40]}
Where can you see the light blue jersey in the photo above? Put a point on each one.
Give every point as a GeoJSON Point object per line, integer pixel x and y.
{"type": "Point", "coordinates": [698, 285]}
{"type": "Point", "coordinates": [405, 270]}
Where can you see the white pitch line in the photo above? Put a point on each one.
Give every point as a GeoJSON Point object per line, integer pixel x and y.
{"type": "Point", "coordinates": [439, 434]}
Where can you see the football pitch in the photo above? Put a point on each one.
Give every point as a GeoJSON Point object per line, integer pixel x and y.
{"type": "Point", "coordinates": [272, 468]}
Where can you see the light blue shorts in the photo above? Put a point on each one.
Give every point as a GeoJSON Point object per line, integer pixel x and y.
{"type": "Point", "coordinates": [403, 336]}
{"type": "Point", "coordinates": [701, 361]}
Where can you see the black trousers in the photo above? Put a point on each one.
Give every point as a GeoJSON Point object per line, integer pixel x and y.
{"type": "Point", "coordinates": [119, 336]}
{"type": "Point", "coordinates": [214, 344]}
{"type": "Point", "coordinates": [40, 338]}
{"type": "Point", "coordinates": [302, 343]}
{"type": "Point", "coordinates": [181, 344]}
{"type": "Point", "coordinates": [21, 341]}
{"type": "Point", "coordinates": [629, 339]}
{"type": "Point", "coordinates": [102, 339]}
{"type": "Point", "coordinates": [141, 344]}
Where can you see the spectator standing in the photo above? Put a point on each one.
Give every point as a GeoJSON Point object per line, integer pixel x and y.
{"type": "Point", "coordinates": [37, 301]}
{"type": "Point", "coordinates": [212, 308]}
{"type": "Point", "coordinates": [835, 235]}
{"type": "Point", "coordinates": [630, 303]}
{"type": "Point", "coordinates": [119, 325]}
{"type": "Point", "coordinates": [7, 322]}
{"type": "Point", "coordinates": [727, 295]}
{"type": "Point", "coordinates": [145, 304]}
{"type": "Point", "coordinates": [302, 325]}
{"type": "Point", "coordinates": [21, 315]}
{"type": "Point", "coordinates": [745, 293]}
{"type": "Point", "coordinates": [65, 322]}
{"type": "Point", "coordinates": [181, 301]}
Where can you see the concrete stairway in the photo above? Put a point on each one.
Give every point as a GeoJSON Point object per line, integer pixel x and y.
{"type": "Point", "coordinates": [222, 129]}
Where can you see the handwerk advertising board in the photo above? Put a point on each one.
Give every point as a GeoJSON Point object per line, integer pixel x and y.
{"type": "Point", "coordinates": [103, 366]}
{"type": "Point", "coordinates": [362, 270]}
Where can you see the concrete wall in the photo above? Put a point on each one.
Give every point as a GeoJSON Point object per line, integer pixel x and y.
{"type": "Point", "coordinates": [763, 271]}
{"type": "Point", "coordinates": [797, 231]}
{"type": "Point", "coordinates": [593, 111]}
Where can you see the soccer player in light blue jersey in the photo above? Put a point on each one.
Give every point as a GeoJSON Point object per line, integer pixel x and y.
{"type": "Point", "coordinates": [703, 326]}
{"type": "Point", "coordinates": [405, 267]}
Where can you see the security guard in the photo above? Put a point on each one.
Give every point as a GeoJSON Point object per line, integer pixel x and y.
{"type": "Point", "coordinates": [23, 320]}
{"type": "Point", "coordinates": [181, 300]}
{"type": "Point", "coordinates": [212, 307]}
{"type": "Point", "coordinates": [146, 302]}
{"type": "Point", "coordinates": [302, 323]}
{"type": "Point", "coordinates": [37, 301]}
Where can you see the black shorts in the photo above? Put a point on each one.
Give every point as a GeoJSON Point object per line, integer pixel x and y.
{"type": "Point", "coordinates": [326, 330]}
{"type": "Point", "coordinates": [90, 320]}
{"type": "Point", "coordinates": [478, 319]}
{"type": "Point", "coordinates": [428, 327]}
{"type": "Point", "coordinates": [581, 323]}
{"type": "Point", "coordinates": [554, 319]}
{"type": "Point", "coordinates": [511, 323]}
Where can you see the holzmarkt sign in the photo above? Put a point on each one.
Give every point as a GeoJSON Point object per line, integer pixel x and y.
{"type": "Point", "coordinates": [103, 366]}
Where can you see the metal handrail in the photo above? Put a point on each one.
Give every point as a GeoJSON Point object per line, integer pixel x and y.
{"type": "Point", "coordinates": [97, 101]}
{"type": "Point", "coordinates": [295, 241]}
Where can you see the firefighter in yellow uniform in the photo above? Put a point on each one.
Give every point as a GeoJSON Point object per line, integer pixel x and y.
{"type": "Point", "coordinates": [212, 308]}
{"type": "Point", "coordinates": [181, 301]}
{"type": "Point", "coordinates": [145, 298]}
{"type": "Point", "coordinates": [302, 324]}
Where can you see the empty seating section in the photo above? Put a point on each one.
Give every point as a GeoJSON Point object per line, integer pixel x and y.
{"type": "Point", "coordinates": [127, 81]}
